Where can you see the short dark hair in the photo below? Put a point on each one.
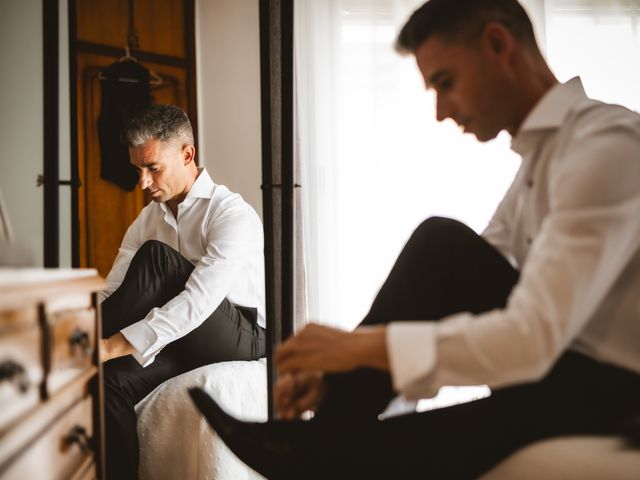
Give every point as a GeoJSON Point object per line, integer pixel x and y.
{"type": "Point", "coordinates": [463, 20]}
{"type": "Point", "coordinates": [158, 121]}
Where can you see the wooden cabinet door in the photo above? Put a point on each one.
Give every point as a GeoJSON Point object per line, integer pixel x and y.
{"type": "Point", "coordinates": [164, 31]}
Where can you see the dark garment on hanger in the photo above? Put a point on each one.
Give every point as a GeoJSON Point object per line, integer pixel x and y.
{"type": "Point", "coordinates": [125, 91]}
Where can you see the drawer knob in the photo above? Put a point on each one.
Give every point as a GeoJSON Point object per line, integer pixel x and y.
{"type": "Point", "coordinates": [80, 338]}
{"type": "Point", "coordinates": [78, 435]}
{"type": "Point", "coordinates": [15, 373]}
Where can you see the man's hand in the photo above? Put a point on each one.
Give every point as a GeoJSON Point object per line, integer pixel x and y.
{"type": "Point", "coordinates": [326, 349]}
{"type": "Point", "coordinates": [113, 347]}
{"type": "Point", "coordinates": [298, 393]}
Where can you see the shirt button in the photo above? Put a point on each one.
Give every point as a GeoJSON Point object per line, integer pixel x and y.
{"type": "Point", "coordinates": [529, 240]}
{"type": "Point", "coordinates": [530, 183]}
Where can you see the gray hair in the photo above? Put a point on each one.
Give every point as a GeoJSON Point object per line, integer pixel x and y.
{"type": "Point", "coordinates": [161, 122]}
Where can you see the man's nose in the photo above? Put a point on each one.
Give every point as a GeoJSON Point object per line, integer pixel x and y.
{"type": "Point", "coordinates": [444, 109]}
{"type": "Point", "coordinates": [143, 179]}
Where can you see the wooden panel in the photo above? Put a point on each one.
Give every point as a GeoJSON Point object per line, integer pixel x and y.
{"type": "Point", "coordinates": [21, 371]}
{"type": "Point", "coordinates": [72, 343]}
{"type": "Point", "coordinates": [104, 21]}
{"type": "Point", "coordinates": [105, 209]}
{"type": "Point", "coordinates": [164, 28]}
{"type": "Point", "coordinates": [86, 471]}
{"type": "Point", "coordinates": [39, 311]}
{"type": "Point", "coordinates": [158, 23]}
{"type": "Point", "coordinates": [15, 321]}
{"type": "Point", "coordinates": [70, 301]}
{"type": "Point", "coordinates": [19, 439]}
{"type": "Point", "coordinates": [40, 290]}
{"type": "Point", "coordinates": [61, 451]}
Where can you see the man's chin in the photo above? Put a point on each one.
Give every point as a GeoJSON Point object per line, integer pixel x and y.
{"type": "Point", "coordinates": [158, 197]}
{"type": "Point", "coordinates": [484, 136]}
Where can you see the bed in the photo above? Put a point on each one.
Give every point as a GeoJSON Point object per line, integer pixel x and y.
{"type": "Point", "coordinates": [176, 442]}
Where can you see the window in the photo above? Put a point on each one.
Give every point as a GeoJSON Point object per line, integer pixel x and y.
{"type": "Point", "coordinates": [375, 162]}
{"type": "Point", "coordinates": [600, 41]}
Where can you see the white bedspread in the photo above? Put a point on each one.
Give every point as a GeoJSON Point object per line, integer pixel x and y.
{"type": "Point", "coordinates": [571, 458]}
{"type": "Point", "coordinates": [175, 440]}
{"type": "Point", "coordinates": [177, 443]}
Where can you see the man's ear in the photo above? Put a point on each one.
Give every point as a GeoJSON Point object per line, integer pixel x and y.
{"type": "Point", "coordinates": [188, 154]}
{"type": "Point", "coordinates": [498, 39]}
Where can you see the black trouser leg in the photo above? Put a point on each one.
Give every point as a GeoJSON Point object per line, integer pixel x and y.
{"type": "Point", "coordinates": [444, 268]}
{"type": "Point", "coordinates": [156, 274]}
{"type": "Point", "coordinates": [126, 382]}
{"type": "Point", "coordinates": [579, 396]}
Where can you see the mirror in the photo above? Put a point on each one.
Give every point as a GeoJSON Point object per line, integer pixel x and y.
{"type": "Point", "coordinates": [226, 113]}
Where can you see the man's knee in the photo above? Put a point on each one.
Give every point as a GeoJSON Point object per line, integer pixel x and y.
{"type": "Point", "coordinates": [158, 254]}
{"type": "Point", "coordinates": [151, 248]}
{"type": "Point", "coordinates": [440, 228]}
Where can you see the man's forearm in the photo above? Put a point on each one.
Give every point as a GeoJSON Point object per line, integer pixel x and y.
{"type": "Point", "coordinates": [371, 346]}
{"type": "Point", "coordinates": [115, 346]}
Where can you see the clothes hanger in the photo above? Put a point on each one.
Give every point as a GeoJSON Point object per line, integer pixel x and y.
{"type": "Point", "coordinates": [155, 78]}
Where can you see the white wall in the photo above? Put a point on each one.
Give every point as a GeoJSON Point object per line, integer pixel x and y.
{"type": "Point", "coordinates": [21, 121]}
{"type": "Point", "coordinates": [228, 76]}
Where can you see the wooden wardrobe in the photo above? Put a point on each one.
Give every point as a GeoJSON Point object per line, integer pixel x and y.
{"type": "Point", "coordinates": [160, 34]}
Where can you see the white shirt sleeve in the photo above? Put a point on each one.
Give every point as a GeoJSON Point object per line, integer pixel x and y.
{"type": "Point", "coordinates": [130, 245]}
{"type": "Point", "coordinates": [233, 235]}
{"type": "Point", "coordinates": [589, 235]}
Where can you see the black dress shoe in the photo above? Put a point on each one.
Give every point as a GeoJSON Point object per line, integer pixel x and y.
{"type": "Point", "coordinates": [262, 446]}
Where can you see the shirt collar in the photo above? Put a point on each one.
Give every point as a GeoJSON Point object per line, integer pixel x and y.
{"type": "Point", "coordinates": [202, 187]}
{"type": "Point", "coordinates": [550, 112]}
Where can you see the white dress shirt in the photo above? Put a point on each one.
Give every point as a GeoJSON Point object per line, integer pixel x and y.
{"type": "Point", "coordinates": [219, 233]}
{"type": "Point", "coordinates": [570, 223]}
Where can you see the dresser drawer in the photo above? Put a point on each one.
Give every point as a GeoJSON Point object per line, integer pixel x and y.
{"type": "Point", "coordinates": [21, 370]}
{"type": "Point", "coordinates": [71, 345]}
{"type": "Point", "coordinates": [50, 385]}
{"type": "Point", "coordinates": [60, 452]}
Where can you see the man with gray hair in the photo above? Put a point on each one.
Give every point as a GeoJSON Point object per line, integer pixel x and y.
{"type": "Point", "coordinates": [187, 286]}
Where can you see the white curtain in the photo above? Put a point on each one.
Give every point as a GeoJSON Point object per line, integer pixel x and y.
{"type": "Point", "coordinates": [600, 41]}
{"type": "Point", "coordinates": [374, 161]}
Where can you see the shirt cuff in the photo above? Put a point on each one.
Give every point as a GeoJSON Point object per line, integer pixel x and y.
{"type": "Point", "coordinates": [411, 347]}
{"type": "Point", "coordinates": [142, 337]}
{"type": "Point", "coordinates": [102, 296]}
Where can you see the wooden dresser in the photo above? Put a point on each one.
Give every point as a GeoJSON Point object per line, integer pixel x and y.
{"type": "Point", "coordinates": [51, 422]}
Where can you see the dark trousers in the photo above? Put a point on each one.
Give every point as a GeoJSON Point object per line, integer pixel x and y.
{"type": "Point", "coordinates": [446, 268]}
{"type": "Point", "coordinates": [158, 273]}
